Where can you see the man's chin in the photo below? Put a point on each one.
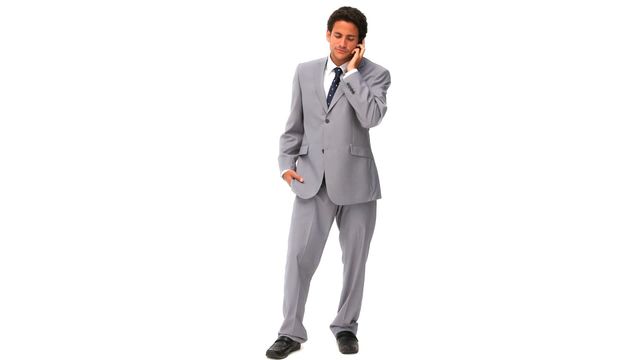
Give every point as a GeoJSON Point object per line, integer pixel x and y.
{"type": "Point", "coordinates": [340, 56]}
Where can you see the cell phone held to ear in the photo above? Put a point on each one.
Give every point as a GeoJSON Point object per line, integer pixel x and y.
{"type": "Point", "coordinates": [359, 46]}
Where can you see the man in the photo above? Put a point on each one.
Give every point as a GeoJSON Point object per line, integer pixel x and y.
{"type": "Point", "coordinates": [326, 158]}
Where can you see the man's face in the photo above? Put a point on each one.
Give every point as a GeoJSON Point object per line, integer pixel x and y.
{"type": "Point", "coordinates": [342, 41]}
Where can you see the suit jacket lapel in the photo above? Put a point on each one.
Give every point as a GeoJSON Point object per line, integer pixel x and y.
{"type": "Point", "coordinates": [319, 84]}
{"type": "Point", "coordinates": [339, 93]}
{"type": "Point", "coordinates": [319, 75]}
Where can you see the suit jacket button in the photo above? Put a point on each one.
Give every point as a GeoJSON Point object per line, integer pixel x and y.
{"type": "Point", "coordinates": [326, 120]}
{"type": "Point", "coordinates": [323, 151]}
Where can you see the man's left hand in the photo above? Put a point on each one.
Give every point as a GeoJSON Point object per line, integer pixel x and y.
{"type": "Point", "coordinates": [358, 54]}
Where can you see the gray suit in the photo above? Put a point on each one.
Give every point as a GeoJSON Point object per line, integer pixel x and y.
{"type": "Point", "coordinates": [334, 141]}
{"type": "Point", "coordinates": [329, 147]}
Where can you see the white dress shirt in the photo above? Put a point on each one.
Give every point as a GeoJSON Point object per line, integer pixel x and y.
{"type": "Point", "coordinates": [329, 74]}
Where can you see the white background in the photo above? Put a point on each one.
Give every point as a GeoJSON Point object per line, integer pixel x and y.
{"type": "Point", "coordinates": [142, 215]}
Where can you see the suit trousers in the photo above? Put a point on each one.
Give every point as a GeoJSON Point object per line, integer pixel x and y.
{"type": "Point", "coordinates": [310, 224]}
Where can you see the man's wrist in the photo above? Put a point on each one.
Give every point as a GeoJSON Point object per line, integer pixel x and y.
{"type": "Point", "coordinates": [350, 72]}
{"type": "Point", "coordinates": [284, 172]}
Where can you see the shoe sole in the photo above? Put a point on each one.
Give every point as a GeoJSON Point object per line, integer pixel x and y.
{"type": "Point", "coordinates": [271, 355]}
{"type": "Point", "coordinates": [348, 352]}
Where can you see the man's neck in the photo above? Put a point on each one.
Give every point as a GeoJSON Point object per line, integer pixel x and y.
{"type": "Point", "coordinates": [334, 61]}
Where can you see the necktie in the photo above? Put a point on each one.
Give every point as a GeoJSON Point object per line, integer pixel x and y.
{"type": "Point", "coordinates": [334, 85]}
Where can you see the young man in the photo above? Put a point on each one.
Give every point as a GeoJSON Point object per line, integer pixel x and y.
{"type": "Point", "coordinates": [326, 158]}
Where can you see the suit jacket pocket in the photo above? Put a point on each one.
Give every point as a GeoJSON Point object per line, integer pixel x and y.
{"type": "Point", "coordinates": [361, 151]}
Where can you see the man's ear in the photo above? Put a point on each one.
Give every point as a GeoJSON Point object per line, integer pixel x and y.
{"type": "Point", "coordinates": [328, 35]}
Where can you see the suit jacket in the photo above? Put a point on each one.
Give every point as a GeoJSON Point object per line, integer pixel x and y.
{"type": "Point", "coordinates": [334, 141]}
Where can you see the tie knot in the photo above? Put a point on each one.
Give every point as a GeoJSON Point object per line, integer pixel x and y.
{"type": "Point", "coordinates": [338, 71]}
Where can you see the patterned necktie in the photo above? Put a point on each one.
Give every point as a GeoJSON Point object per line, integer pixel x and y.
{"type": "Point", "coordinates": [334, 85]}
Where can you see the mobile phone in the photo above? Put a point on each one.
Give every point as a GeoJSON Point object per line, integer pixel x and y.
{"type": "Point", "coordinates": [352, 54]}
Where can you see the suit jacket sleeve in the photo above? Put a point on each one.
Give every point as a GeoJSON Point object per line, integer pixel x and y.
{"type": "Point", "coordinates": [291, 139]}
{"type": "Point", "coordinates": [368, 98]}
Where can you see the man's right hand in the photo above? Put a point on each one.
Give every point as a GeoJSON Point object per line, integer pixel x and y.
{"type": "Point", "coordinates": [290, 175]}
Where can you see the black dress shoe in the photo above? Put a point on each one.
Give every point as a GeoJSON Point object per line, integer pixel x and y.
{"type": "Point", "coordinates": [282, 348]}
{"type": "Point", "coordinates": [347, 342]}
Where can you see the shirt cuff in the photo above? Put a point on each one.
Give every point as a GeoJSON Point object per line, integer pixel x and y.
{"type": "Point", "coordinates": [349, 73]}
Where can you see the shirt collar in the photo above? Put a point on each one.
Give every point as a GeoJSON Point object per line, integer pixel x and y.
{"type": "Point", "coordinates": [330, 65]}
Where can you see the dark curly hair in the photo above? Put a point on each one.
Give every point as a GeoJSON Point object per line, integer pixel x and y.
{"type": "Point", "coordinates": [352, 15]}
